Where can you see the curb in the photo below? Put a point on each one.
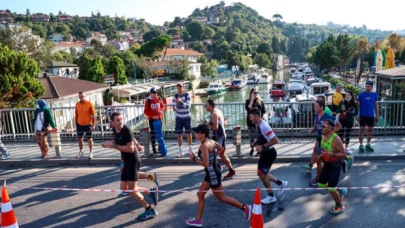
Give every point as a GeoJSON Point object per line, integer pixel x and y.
{"type": "Point", "coordinates": [156, 161]}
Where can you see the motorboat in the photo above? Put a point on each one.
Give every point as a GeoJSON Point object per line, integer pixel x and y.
{"type": "Point", "coordinates": [227, 84]}
{"type": "Point", "coordinates": [278, 89]}
{"type": "Point", "coordinates": [253, 78]}
{"type": "Point", "coordinates": [216, 88]}
{"type": "Point", "coordinates": [303, 110]}
{"type": "Point", "coordinates": [280, 114]}
{"type": "Point", "coordinates": [294, 88]}
{"type": "Point", "coordinates": [322, 89]}
{"type": "Point", "coordinates": [264, 79]}
{"type": "Point", "coordinates": [237, 84]}
{"type": "Point", "coordinates": [292, 70]}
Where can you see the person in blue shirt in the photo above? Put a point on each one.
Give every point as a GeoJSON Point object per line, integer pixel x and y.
{"type": "Point", "coordinates": [320, 116]}
{"type": "Point", "coordinates": [368, 114]}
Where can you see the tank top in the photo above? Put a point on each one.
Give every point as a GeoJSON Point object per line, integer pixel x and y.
{"type": "Point", "coordinates": [221, 124]}
{"type": "Point", "coordinates": [327, 146]}
{"type": "Point", "coordinates": [212, 169]}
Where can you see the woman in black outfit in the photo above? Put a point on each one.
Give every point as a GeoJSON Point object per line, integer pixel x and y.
{"type": "Point", "coordinates": [254, 101]}
{"type": "Point", "coordinates": [347, 110]}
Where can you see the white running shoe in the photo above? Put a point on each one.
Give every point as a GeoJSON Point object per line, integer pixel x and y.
{"type": "Point", "coordinates": [282, 186]}
{"type": "Point", "coordinates": [79, 155]}
{"type": "Point", "coordinates": [269, 199]}
{"type": "Point", "coordinates": [91, 155]}
{"type": "Point", "coordinates": [180, 154]}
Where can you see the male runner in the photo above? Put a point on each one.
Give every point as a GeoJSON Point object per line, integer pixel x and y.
{"type": "Point", "coordinates": [320, 116]}
{"type": "Point", "coordinates": [332, 153]}
{"type": "Point", "coordinates": [265, 141]}
{"type": "Point", "coordinates": [124, 142]}
{"type": "Point", "coordinates": [219, 135]}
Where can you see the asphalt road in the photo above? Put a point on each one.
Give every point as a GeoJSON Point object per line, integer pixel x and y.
{"type": "Point", "coordinates": [36, 208]}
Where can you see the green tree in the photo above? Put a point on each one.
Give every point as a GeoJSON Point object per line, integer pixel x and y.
{"type": "Point", "coordinates": [196, 30]}
{"type": "Point", "coordinates": [96, 44]}
{"type": "Point", "coordinates": [18, 39]}
{"type": "Point", "coordinates": [116, 66]}
{"type": "Point", "coordinates": [43, 54]}
{"type": "Point", "coordinates": [197, 46]}
{"type": "Point", "coordinates": [27, 12]}
{"type": "Point", "coordinates": [152, 34]}
{"type": "Point", "coordinates": [63, 28]}
{"type": "Point", "coordinates": [20, 87]}
{"type": "Point", "coordinates": [129, 58]}
{"type": "Point", "coordinates": [96, 71]}
{"type": "Point", "coordinates": [362, 48]}
{"type": "Point", "coordinates": [395, 42]}
{"type": "Point", "coordinates": [108, 50]}
{"type": "Point", "coordinates": [345, 47]}
{"type": "Point", "coordinates": [156, 45]}
{"type": "Point", "coordinates": [84, 63]}
{"type": "Point", "coordinates": [209, 33]}
{"type": "Point", "coordinates": [265, 48]}
{"type": "Point", "coordinates": [52, 17]}
{"type": "Point", "coordinates": [209, 68]}
{"type": "Point", "coordinates": [176, 22]}
{"type": "Point", "coordinates": [263, 60]}
{"type": "Point", "coordinates": [326, 54]}
{"type": "Point", "coordinates": [275, 45]}
{"type": "Point", "coordinates": [277, 17]}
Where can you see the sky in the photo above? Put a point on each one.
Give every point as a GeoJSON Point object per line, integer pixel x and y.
{"type": "Point", "coordinates": [372, 13]}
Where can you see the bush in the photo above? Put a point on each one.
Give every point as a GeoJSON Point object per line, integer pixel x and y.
{"type": "Point", "coordinates": [335, 81]}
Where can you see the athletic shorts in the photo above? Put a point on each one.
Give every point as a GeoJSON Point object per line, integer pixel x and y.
{"type": "Point", "coordinates": [213, 179]}
{"type": "Point", "coordinates": [319, 149]}
{"type": "Point", "coordinates": [84, 129]}
{"type": "Point", "coordinates": [183, 124]}
{"type": "Point", "coordinates": [369, 121]}
{"type": "Point", "coordinates": [266, 160]}
{"type": "Point", "coordinates": [130, 171]}
{"type": "Point", "coordinates": [220, 140]}
{"type": "Point", "coordinates": [330, 174]}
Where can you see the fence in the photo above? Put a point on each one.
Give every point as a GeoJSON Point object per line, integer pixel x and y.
{"type": "Point", "coordinates": [287, 119]}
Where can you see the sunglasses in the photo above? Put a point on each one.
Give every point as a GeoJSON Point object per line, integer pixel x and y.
{"type": "Point", "coordinates": [198, 132]}
{"type": "Point", "coordinates": [255, 92]}
{"type": "Point", "coordinates": [323, 126]}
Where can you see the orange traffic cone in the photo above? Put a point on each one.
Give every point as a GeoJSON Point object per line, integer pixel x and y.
{"type": "Point", "coordinates": [8, 219]}
{"type": "Point", "coordinates": [256, 220]}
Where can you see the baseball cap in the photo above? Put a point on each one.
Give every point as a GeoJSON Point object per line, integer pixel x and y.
{"type": "Point", "coordinates": [202, 128]}
{"type": "Point", "coordinates": [153, 90]}
{"type": "Point", "coordinates": [339, 85]}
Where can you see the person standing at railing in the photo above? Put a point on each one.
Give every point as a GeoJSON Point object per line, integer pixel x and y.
{"type": "Point", "coordinates": [337, 97]}
{"type": "Point", "coordinates": [367, 102]}
{"type": "Point", "coordinates": [181, 101]}
{"type": "Point", "coordinates": [41, 122]}
{"type": "Point", "coordinates": [85, 123]}
{"type": "Point", "coordinates": [254, 101]}
{"type": "Point", "coordinates": [154, 111]}
{"type": "Point", "coordinates": [4, 153]}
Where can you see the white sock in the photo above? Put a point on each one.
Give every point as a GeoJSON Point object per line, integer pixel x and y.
{"type": "Point", "coordinates": [180, 149]}
{"type": "Point", "coordinates": [190, 148]}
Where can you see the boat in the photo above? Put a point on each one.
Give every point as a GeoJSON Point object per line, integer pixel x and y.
{"type": "Point", "coordinates": [295, 88]}
{"type": "Point", "coordinates": [280, 114]}
{"type": "Point", "coordinates": [216, 88]}
{"type": "Point", "coordinates": [292, 70]}
{"type": "Point", "coordinates": [278, 89]}
{"type": "Point", "coordinates": [322, 89]}
{"type": "Point", "coordinates": [253, 78]}
{"type": "Point", "coordinates": [264, 79]}
{"type": "Point", "coordinates": [237, 84]}
{"type": "Point", "coordinates": [303, 113]}
{"type": "Point", "coordinates": [227, 84]}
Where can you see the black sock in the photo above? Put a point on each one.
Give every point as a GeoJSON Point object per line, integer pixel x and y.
{"type": "Point", "coordinates": [338, 205]}
{"type": "Point", "coordinates": [310, 165]}
{"type": "Point", "coordinates": [271, 194]}
{"type": "Point", "coordinates": [149, 208]}
{"type": "Point", "coordinates": [243, 208]}
{"type": "Point", "coordinates": [278, 182]}
{"type": "Point", "coordinates": [232, 170]}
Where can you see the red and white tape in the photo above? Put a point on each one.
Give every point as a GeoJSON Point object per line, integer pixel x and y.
{"type": "Point", "coordinates": [196, 190]}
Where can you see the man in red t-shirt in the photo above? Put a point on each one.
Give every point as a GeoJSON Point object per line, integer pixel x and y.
{"type": "Point", "coordinates": [154, 111]}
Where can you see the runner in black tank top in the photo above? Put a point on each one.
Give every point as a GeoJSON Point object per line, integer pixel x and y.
{"type": "Point", "coordinates": [212, 180]}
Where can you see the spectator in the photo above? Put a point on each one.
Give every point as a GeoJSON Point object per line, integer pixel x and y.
{"type": "Point", "coordinates": [337, 97]}
{"type": "Point", "coordinates": [181, 101]}
{"type": "Point", "coordinates": [254, 101]}
{"type": "Point", "coordinates": [85, 122]}
{"type": "Point", "coordinates": [154, 111]}
{"type": "Point", "coordinates": [42, 119]}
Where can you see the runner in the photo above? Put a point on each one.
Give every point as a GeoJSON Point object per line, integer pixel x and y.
{"type": "Point", "coordinates": [218, 130]}
{"type": "Point", "coordinates": [332, 153]}
{"type": "Point", "coordinates": [212, 180]}
{"type": "Point", "coordinates": [320, 116]}
{"type": "Point", "coordinates": [265, 141]}
{"type": "Point", "coordinates": [124, 142]}
{"type": "Point", "coordinates": [368, 113]}
{"type": "Point", "coordinates": [181, 101]}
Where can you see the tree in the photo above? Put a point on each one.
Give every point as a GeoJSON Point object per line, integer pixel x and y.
{"type": "Point", "coordinates": [96, 44]}
{"type": "Point", "coordinates": [108, 50]}
{"type": "Point", "coordinates": [143, 67]}
{"type": "Point", "coordinates": [210, 68]}
{"type": "Point", "coordinates": [152, 34]}
{"type": "Point", "coordinates": [265, 48]}
{"type": "Point", "coordinates": [209, 33]}
{"type": "Point", "coordinates": [27, 12]}
{"type": "Point", "coordinates": [277, 16]}
{"type": "Point", "coordinates": [362, 48]}
{"type": "Point", "coordinates": [96, 71]}
{"type": "Point", "coordinates": [62, 56]}
{"type": "Point", "coordinates": [326, 54]}
{"type": "Point", "coordinates": [20, 87]}
{"type": "Point", "coordinates": [52, 17]}
{"type": "Point", "coordinates": [396, 43]}
{"type": "Point", "coordinates": [197, 46]}
{"type": "Point", "coordinates": [43, 55]}
{"type": "Point", "coordinates": [84, 63]}
{"type": "Point", "coordinates": [196, 30]}
{"type": "Point", "coordinates": [73, 52]}
{"type": "Point", "coordinates": [275, 45]}
{"type": "Point", "coordinates": [129, 58]}
{"type": "Point", "coordinates": [263, 60]}
{"type": "Point", "coordinates": [18, 39]}
{"type": "Point", "coordinates": [116, 66]}
{"type": "Point", "coordinates": [345, 47]}
{"type": "Point", "coordinates": [176, 22]}
{"type": "Point", "coordinates": [157, 44]}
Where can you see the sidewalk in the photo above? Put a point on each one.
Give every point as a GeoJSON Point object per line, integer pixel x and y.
{"type": "Point", "coordinates": [297, 150]}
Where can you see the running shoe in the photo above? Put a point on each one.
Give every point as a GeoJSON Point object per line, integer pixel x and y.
{"type": "Point", "coordinates": [281, 188]}
{"type": "Point", "coordinates": [247, 212]}
{"type": "Point", "coordinates": [91, 155]}
{"type": "Point", "coordinates": [5, 156]}
{"type": "Point", "coordinates": [180, 154]}
{"type": "Point", "coordinates": [123, 194]}
{"type": "Point", "coordinates": [307, 167]}
{"type": "Point", "coordinates": [155, 179]}
{"type": "Point", "coordinates": [230, 175]}
{"type": "Point", "coordinates": [148, 214]}
{"type": "Point", "coordinates": [314, 182]}
{"type": "Point", "coordinates": [350, 162]}
{"type": "Point", "coordinates": [342, 193]}
{"type": "Point", "coordinates": [337, 209]}
{"type": "Point", "coordinates": [79, 155]}
{"type": "Point", "coordinates": [361, 149]}
{"type": "Point", "coordinates": [194, 222]}
{"type": "Point", "coordinates": [154, 195]}
{"type": "Point", "coordinates": [344, 166]}
{"type": "Point", "coordinates": [269, 200]}
{"type": "Point", "coordinates": [347, 151]}
{"type": "Point", "coordinates": [369, 148]}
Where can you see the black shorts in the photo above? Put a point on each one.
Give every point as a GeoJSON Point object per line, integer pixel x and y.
{"type": "Point", "coordinates": [369, 121]}
{"type": "Point", "coordinates": [183, 124]}
{"type": "Point", "coordinates": [82, 129]}
{"type": "Point", "coordinates": [214, 179]}
{"type": "Point", "coordinates": [330, 174]}
{"type": "Point", "coordinates": [220, 140]}
{"type": "Point", "coordinates": [266, 160]}
{"type": "Point", "coordinates": [130, 171]}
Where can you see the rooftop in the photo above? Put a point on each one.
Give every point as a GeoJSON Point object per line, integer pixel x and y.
{"type": "Point", "coordinates": [58, 87]}
{"type": "Point", "coordinates": [175, 51]}
{"type": "Point", "coordinates": [397, 72]}
{"type": "Point", "coordinates": [70, 44]}
{"type": "Point", "coordinates": [61, 64]}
